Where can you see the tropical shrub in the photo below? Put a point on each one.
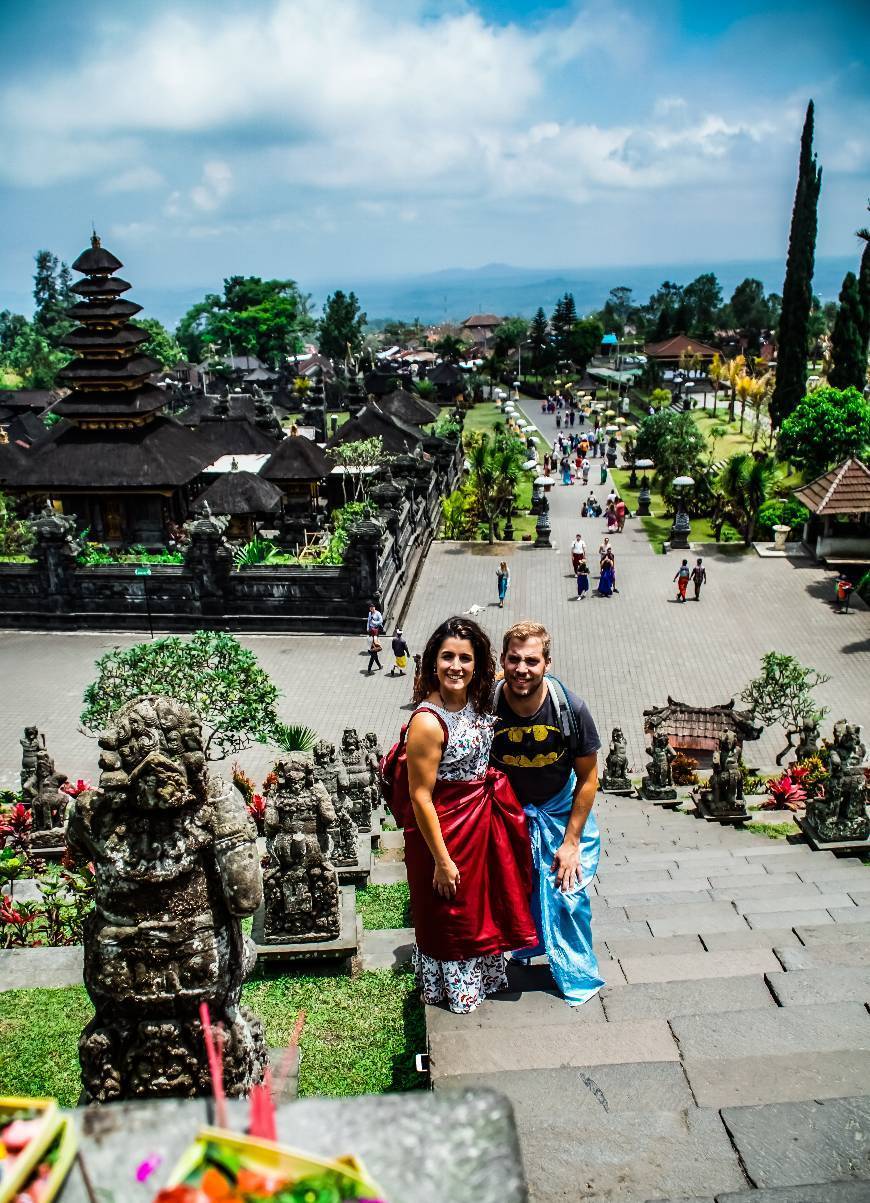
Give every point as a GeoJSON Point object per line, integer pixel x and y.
{"type": "Point", "coordinates": [782, 511]}
{"type": "Point", "coordinates": [683, 769]}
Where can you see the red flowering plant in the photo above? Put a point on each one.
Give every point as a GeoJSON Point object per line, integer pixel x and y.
{"type": "Point", "coordinates": [243, 783]}
{"type": "Point", "coordinates": [785, 793]}
{"type": "Point", "coordinates": [15, 825]}
{"type": "Point", "coordinates": [75, 789]}
{"type": "Point", "coordinates": [269, 783]}
{"type": "Point", "coordinates": [257, 811]}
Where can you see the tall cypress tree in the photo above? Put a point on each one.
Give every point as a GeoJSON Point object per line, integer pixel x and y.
{"type": "Point", "coordinates": [797, 292]}
{"type": "Point", "coordinates": [864, 287]}
{"type": "Point", "coordinates": [847, 339]}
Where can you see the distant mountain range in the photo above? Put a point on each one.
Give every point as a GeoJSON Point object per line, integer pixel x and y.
{"type": "Point", "coordinates": [455, 293]}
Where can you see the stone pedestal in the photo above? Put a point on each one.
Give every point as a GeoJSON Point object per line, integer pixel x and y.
{"type": "Point", "coordinates": [665, 795]}
{"type": "Point", "coordinates": [542, 526]}
{"type": "Point", "coordinates": [620, 786]}
{"type": "Point", "coordinates": [357, 873]}
{"type": "Point", "coordinates": [680, 531]}
{"type": "Point", "coordinates": [838, 847]}
{"type": "Point", "coordinates": [312, 952]}
{"type": "Point", "coordinates": [704, 809]}
{"type": "Point", "coordinates": [780, 534]}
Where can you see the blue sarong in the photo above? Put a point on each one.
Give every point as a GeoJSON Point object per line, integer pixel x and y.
{"type": "Point", "coordinates": [564, 919]}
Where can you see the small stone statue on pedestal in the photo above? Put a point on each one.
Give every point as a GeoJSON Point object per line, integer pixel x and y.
{"type": "Point", "coordinates": [807, 732]}
{"type": "Point", "coordinates": [359, 792]}
{"type": "Point", "coordinates": [329, 771]}
{"type": "Point", "coordinates": [40, 790]}
{"type": "Point", "coordinates": [177, 868]}
{"type": "Point", "coordinates": [658, 784]}
{"type": "Point", "coordinates": [301, 885]}
{"type": "Point", "coordinates": [615, 779]}
{"type": "Point", "coordinates": [722, 797]}
{"type": "Point", "coordinates": [841, 814]}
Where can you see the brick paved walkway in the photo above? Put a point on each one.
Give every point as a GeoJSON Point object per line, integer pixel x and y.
{"type": "Point", "coordinates": [621, 653]}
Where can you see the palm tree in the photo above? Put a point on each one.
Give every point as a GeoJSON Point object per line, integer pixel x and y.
{"type": "Point", "coordinates": [716, 373]}
{"type": "Point", "coordinates": [496, 465]}
{"type": "Point", "coordinates": [747, 482]}
{"type": "Point", "coordinates": [734, 369]}
{"type": "Point", "coordinates": [451, 348]}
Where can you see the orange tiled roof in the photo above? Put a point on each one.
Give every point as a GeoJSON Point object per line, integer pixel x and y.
{"type": "Point", "coordinates": [843, 490]}
{"type": "Point", "coordinates": [672, 348]}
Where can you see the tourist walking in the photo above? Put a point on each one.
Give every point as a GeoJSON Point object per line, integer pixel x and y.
{"type": "Point", "coordinates": [503, 580]}
{"type": "Point", "coordinates": [607, 577]}
{"type": "Point", "coordinates": [584, 467]}
{"type": "Point", "coordinates": [401, 652]}
{"type": "Point", "coordinates": [581, 568]}
{"type": "Point", "coordinates": [699, 577]}
{"type": "Point", "coordinates": [681, 576]}
{"type": "Point", "coordinates": [467, 847]}
{"type": "Point", "coordinates": [374, 621]}
{"type": "Point", "coordinates": [844, 593]}
{"type": "Point", "coordinates": [621, 511]}
{"type": "Point", "coordinates": [546, 742]}
{"type": "Point", "coordinates": [578, 551]}
{"type": "Point", "coordinates": [610, 515]}
{"type": "Point", "coordinates": [374, 649]}
{"type": "Point", "coordinates": [565, 466]}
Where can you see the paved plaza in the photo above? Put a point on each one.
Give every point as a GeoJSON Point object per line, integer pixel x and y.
{"type": "Point", "coordinates": [622, 653]}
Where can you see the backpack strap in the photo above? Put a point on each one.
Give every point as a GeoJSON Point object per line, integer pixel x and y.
{"type": "Point", "coordinates": [567, 721]}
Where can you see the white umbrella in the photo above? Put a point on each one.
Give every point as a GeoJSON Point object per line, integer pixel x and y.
{"type": "Point", "coordinates": [529, 464]}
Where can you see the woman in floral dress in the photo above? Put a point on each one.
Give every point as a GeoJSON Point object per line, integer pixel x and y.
{"type": "Point", "coordinates": [467, 848]}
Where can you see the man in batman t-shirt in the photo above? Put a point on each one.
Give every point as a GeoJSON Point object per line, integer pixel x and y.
{"type": "Point", "coordinates": [551, 759]}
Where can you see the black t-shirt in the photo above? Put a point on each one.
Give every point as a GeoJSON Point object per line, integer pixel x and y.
{"type": "Point", "coordinates": [533, 751]}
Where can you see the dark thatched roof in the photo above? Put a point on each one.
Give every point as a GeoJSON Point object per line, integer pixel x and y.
{"type": "Point", "coordinates": [700, 726]}
{"type": "Point", "coordinates": [230, 436]}
{"type": "Point", "coordinates": [447, 374]}
{"type": "Point", "coordinates": [372, 422]}
{"type": "Point", "coordinates": [240, 493]}
{"type": "Point", "coordinates": [159, 454]}
{"type": "Point", "coordinates": [410, 408]}
{"type": "Point", "coordinates": [297, 458]}
{"type": "Point", "coordinates": [201, 408]}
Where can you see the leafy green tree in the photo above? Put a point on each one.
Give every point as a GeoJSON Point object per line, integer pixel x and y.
{"type": "Point", "coordinates": [496, 467]}
{"type": "Point", "coordinates": [509, 335]}
{"type": "Point", "coordinates": [541, 344]}
{"type": "Point", "coordinates": [562, 323]}
{"type": "Point", "coordinates": [35, 359]}
{"type": "Point", "coordinates": [583, 341]}
{"type": "Point", "coordinates": [424, 389]}
{"type": "Point", "coordinates": [797, 290]}
{"type": "Point", "coordinates": [341, 330]}
{"type": "Point", "coordinates": [747, 481]}
{"type": "Point", "coordinates": [619, 301]}
{"type": "Point", "coordinates": [827, 427]}
{"type": "Point", "coordinates": [704, 298]}
{"type": "Point", "coordinates": [750, 310]}
{"type": "Point", "coordinates": [673, 442]}
{"type": "Point", "coordinates": [783, 692]}
{"type": "Point", "coordinates": [52, 283]}
{"type": "Point", "coordinates": [355, 457]}
{"type": "Point", "coordinates": [210, 672]}
{"type": "Point", "coordinates": [451, 348]}
{"type": "Point", "coordinates": [266, 318]}
{"type": "Point", "coordinates": [12, 326]}
{"type": "Point", "coordinates": [661, 309]}
{"type": "Point", "coordinates": [161, 345]}
{"type": "Point", "coordinates": [16, 535]}
{"type": "Point", "coordinates": [847, 340]}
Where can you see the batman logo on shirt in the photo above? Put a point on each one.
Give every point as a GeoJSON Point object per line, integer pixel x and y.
{"type": "Point", "coordinates": [528, 747]}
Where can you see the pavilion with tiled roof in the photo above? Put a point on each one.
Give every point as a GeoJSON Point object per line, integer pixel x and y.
{"type": "Point", "coordinates": [698, 728]}
{"type": "Point", "coordinates": [116, 461]}
{"type": "Point", "coordinates": [839, 500]}
{"type": "Point", "coordinates": [672, 348]}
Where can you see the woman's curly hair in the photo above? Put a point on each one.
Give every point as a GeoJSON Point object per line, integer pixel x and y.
{"type": "Point", "coordinates": [481, 686]}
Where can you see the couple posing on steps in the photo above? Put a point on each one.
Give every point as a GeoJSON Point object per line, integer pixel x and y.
{"type": "Point", "coordinates": [493, 783]}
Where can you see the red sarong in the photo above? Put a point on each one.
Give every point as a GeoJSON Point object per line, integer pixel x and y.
{"type": "Point", "coordinates": [682, 585]}
{"type": "Point", "coordinates": [484, 828]}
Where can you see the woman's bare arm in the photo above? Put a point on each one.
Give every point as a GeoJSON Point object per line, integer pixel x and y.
{"type": "Point", "coordinates": [424, 746]}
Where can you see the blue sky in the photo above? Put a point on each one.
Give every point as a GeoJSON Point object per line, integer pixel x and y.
{"type": "Point", "coordinates": [331, 138]}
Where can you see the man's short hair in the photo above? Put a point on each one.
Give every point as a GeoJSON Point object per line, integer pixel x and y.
{"type": "Point", "coordinates": [521, 631]}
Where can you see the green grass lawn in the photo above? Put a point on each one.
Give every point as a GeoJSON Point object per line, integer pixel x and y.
{"type": "Point", "coordinates": [483, 417]}
{"type": "Point", "coordinates": [658, 525]}
{"type": "Point", "coordinates": [384, 906]}
{"type": "Point", "coordinates": [732, 441]}
{"type": "Point", "coordinates": [773, 831]}
{"type": "Point", "coordinates": [361, 1034]}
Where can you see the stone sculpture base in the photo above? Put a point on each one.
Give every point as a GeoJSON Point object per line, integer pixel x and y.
{"type": "Point", "coordinates": [357, 873]}
{"type": "Point", "coordinates": [620, 786]}
{"type": "Point", "coordinates": [662, 795]}
{"type": "Point", "coordinates": [703, 810]}
{"type": "Point", "coordinates": [48, 845]}
{"type": "Point", "coordinates": [313, 952]}
{"type": "Point", "coordinates": [838, 847]}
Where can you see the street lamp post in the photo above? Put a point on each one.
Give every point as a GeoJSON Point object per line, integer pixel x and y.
{"type": "Point", "coordinates": [643, 497]}
{"type": "Point", "coordinates": [682, 528]}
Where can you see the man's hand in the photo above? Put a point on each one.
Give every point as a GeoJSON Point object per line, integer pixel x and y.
{"type": "Point", "coordinates": [566, 866]}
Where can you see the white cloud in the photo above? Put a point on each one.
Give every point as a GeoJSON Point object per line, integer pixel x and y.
{"type": "Point", "coordinates": [216, 185]}
{"type": "Point", "coordinates": [135, 179]}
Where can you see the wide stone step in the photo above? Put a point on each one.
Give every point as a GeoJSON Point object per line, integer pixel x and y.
{"type": "Point", "coordinates": [650, 883]}
{"type": "Point", "coordinates": [826, 1192]}
{"type": "Point", "coordinates": [822, 956]}
{"type": "Point", "coordinates": [791, 1144]}
{"type": "Point", "coordinates": [690, 966]}
{"type": "Point", "coordinates": [531, 1045]}
{"type": "Point", "coordinates": [780, 898]}
{"type": "Point", "coordinates": [767, 888]}
{"type": "Point", "coordinates": [852, 933]}
{"type": "Point", "coordinates": [689, 996]}
{"type": "Point", "coordinates": [719, 941]}
{"type": "Point", "coordinates": [773, 920]}
{"type": "Point", "coordinates": [386, 949]}
{"type": "Point", "coordinates": [777, 1078]}
{"type": "Point", "coordinates": [780, 1030]}
{"type": "Point", "coordinates": [703, 909]}
{"type": "Point", "coordinates": [666, 900]}
{"type": "Point", "coordinates": [715, 917]}
{"type": "Point", "coordinates": [649, 946]}
{"type": "Point", "coordinates": [829, 985]}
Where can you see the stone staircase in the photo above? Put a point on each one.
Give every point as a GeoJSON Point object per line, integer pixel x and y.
{"type": "Point", "coordinates": [727, 1058]}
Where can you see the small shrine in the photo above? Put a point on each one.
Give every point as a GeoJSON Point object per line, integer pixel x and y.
{"type": "Point", "coordinates": [698, 729]}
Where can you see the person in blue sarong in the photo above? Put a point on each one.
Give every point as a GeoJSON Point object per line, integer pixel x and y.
{"type": "Point", "coordinates": [546, 743]}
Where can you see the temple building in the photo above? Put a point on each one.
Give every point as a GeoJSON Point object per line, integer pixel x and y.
{"type": "Point", "coordinates": [118, 462]}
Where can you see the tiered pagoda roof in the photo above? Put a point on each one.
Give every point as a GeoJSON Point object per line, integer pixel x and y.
{"type": "Point", "coordinates": [114, 434]}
